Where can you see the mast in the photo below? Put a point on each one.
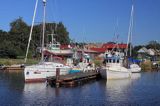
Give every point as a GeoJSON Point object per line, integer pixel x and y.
{"type": "Point", "coordinates": [30, 35]}
{"type": "Point", "coordinates": [130, 32]}
{"type": "Point", "coordinates": [44, 20]}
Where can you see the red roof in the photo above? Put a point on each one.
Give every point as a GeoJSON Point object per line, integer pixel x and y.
{"type": "Point", "coordinates": [111, 45]}
{"type": "Point", "coordinates": [101, 50]}
{"type": "Point", "coordinates": [108, 46]}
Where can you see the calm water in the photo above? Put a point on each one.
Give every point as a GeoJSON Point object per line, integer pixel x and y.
{"type": "Point", "coordinates": [141, 89]}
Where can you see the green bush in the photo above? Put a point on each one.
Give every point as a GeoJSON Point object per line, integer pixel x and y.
{"type": "Point", "coordinates": [146, 66]}
{"type": "Point", "coordinates": [97, 63]}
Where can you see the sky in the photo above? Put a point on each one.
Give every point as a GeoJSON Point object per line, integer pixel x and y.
{"type": "Point", "coordinates": [90, 20]}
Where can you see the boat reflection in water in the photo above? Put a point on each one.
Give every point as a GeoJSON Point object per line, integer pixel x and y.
{"type": "Point", "coordinates": [118, 90]}
{"type": "Point", "coordinates": [135, 76]}
{"type": "Point", "coordinates": [36, 94]}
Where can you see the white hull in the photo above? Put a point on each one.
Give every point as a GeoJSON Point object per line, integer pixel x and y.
{"type": "Point", "coordinates": [38, 73]}
{"type": "Point", "coordinates": [119, 73]}
{"type": "Point", "coordinates": [134, 68]}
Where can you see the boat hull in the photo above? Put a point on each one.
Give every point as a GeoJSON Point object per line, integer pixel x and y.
{"type": "Point", "coordinates": [134, 68]}
{"type": "Point", "coordinates": [115, 74]}
{"type": "Point", "coordinates": [40, 74]}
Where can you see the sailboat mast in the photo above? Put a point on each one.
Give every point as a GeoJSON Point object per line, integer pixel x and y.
{"type": "Point", "coordinates": [44, 20]}
{"type": "Point", "coordinates": [30, 35]}
{"type": "Point", "coordinates": [130, 32]}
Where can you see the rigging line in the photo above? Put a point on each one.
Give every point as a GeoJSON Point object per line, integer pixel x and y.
{"type": "Point", "coordinates": [116, 36]}
{"type": "Point", "coordinates": [53, 12]}
{"type": "Point", "coordinates": [56, 16]}
{"type": "Point", "coordinates": [30, 35]}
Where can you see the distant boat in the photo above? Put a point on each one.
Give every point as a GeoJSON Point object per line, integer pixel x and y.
{"type": "Point", "coordinates": [135, 68]}
{"type": "Point", "coordinates": [133, 65]}
{"type": "Point", "coordinates": [54, 49]}
{"type": "Point", "coordinates": [39, 72]}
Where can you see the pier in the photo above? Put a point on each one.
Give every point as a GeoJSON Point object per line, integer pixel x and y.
{"type": "Point", "coordinates": [71, 80]}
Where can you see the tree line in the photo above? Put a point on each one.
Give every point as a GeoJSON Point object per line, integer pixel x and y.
{"type": "Point", "coordinates": [14, 42]}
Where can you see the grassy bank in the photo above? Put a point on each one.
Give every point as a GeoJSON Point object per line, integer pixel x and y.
{"type": "Point", "coordinates": [17, 61]}
{"type": "Point", "coordinates": [148, 66]}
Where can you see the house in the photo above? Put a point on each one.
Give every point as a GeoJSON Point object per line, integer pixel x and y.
{"type": "Point", "coordinates": [143, 50]}
{"type": "Point", "coordinates": [151, 52]}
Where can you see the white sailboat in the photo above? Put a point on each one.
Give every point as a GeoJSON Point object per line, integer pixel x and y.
{"type": "Point", "coordinates": [134, 68]}
{"type": "Point", "coordinates": [41, 71]}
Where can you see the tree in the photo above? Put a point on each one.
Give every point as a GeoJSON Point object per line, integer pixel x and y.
{"type": "Point", "coordinates": [153, 45]}
{"type": "Point", "coordinates": [62, 34]}
{"type": "Point", "coordinates": [15, 41]}
{"type": "Point", "coordinates": [19, 34]}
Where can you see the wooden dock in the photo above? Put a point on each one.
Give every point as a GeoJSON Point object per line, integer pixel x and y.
{"type": "Point", "coordinates": [13, 68]}
{"type": "Point", "coordinates": [72, 79]}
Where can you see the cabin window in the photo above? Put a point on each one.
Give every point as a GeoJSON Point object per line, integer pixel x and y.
{"type": "Point", "coordinates": [37, 72]}
{"type": "Point", "coordinates": [107, 60]}
{"type": "Point", "coordinates": [117, 61]}
{"type": "Point", "coordinates": [27, 73]}
{"type": "Point", "coordinates": [110, 60]}
{"type": "Point", "coordinates": [114, 60]}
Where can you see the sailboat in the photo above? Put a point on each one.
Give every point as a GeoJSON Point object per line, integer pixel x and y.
{"type": "Point", "coordinates": [39, 72]}
{"type": "Point", "coordinates": [133, 67]}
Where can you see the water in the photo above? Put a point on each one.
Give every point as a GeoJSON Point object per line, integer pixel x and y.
{"type": "Point", "coordinates": [141, 89]}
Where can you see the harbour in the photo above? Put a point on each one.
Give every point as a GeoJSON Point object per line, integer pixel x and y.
{"type": "Point", "coordinates": [141, 89]}
{"type": "Point", "coordinates": [73, 53]}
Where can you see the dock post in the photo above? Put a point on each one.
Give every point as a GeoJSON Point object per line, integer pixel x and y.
{"type": "Point", "coordinates": [57, 76]}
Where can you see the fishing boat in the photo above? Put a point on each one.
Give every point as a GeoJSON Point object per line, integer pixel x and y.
{"type": "Point", "coordinates": [39, 72]}
{"type": "Point", "coordinates": [114, 68]}
{"type": "Point", "coordinates": [54, 48]}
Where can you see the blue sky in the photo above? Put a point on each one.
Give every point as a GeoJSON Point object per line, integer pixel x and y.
{"type": "Point", "coordinates": [91, 20]}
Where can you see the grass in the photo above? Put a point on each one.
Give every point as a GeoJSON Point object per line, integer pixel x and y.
{"type": "Point", "coordinates": [17, 61]}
